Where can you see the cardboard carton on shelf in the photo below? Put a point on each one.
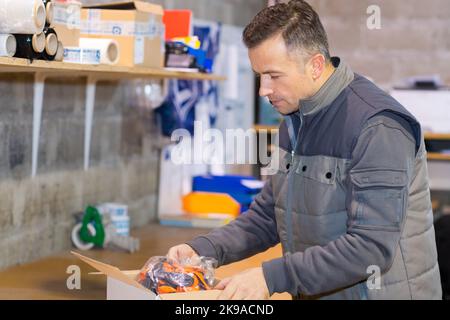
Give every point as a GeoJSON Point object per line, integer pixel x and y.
{"type": "Point", "coordinates": [121, 285]}
{"type": "Point", "coordinates": [67, 21]}
{"type": "Point", "coordinates": [137, 26]}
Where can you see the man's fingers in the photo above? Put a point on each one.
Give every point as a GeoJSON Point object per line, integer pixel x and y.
{"type": "Point", "coordinates": [172, 255]}
{"type": "Point", "coordinates": [181, 252]}
{"type": "Point", "coordinates": [239, 294]}
{"type": "Point", "coordinates": [222, 284]}
{"type": "Point", "coordinates": [229, 291]}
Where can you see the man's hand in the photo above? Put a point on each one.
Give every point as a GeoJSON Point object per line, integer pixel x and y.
{"type": "Point", "coordinates": [247, 285]}
{"type": "Point", "coordinates": [181, 252]}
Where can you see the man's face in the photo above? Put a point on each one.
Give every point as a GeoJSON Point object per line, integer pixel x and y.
{"type": "Point", "coordinates": [284, 75]}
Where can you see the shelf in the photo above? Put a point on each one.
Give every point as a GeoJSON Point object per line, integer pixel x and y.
{"type": "Point", "coordinates": [259, 127]}
{"type": "Point", "coordinates": [438, 156]}
{"type": "Point", "coordinates": [437, 136]}
{"type": "Point", "coordinates": [98, 71]}
{"type": "Point", "coordinates": [427, 135]}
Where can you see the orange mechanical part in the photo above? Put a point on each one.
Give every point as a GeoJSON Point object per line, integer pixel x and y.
{"type": "Point", "coordinates": [165, 277]}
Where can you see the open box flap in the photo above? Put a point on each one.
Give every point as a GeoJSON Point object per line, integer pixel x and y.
{"type": "Point", "coordinates": [109, 271]}
{"type": "Point", "coordinates": [124, 276]}
{"type": "Point", "coordinates": [128, 5]}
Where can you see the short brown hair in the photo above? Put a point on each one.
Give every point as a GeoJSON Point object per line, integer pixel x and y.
{"type": "Point", "coordinates": [298, 23]}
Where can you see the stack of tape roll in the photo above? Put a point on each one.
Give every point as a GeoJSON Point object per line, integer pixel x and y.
{"type": "Point", "coordinates": [29, 21]}
{"type": "Point", "coordinates": [8, 45]}
{"type": "Point", "coordinates": [109, 49]}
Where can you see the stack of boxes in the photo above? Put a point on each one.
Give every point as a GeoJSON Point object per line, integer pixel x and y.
{"type": "Point", "coordinates": [136, 26]}
{"type": "Point", "coordinates": [118, 215]}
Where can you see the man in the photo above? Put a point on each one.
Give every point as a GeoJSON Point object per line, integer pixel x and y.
{"type": "Point", "coordinates": [351, 193]}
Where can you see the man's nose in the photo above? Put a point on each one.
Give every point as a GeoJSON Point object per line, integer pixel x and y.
{"type": "Point", "coordinates": [265, 91]}
{"type": "Point", "coordinates": [265, 86]}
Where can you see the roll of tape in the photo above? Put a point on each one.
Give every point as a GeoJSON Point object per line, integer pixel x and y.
{"type": "Point", "coordinates": [23, 17]}
{"type": "Point", "coordinates": [76, 240]}
{"type": "Point", "coordinates": [60, 52]}
{"type": "Point", "coordinates": [51, 42]}
{"type": "Point", "coordinates": [48, 12]}
{"type": "Point", "coordinates": [8, 45]}
{"type": "Point", "coordinates": [30, 46]}
{"type": "Point", "coordinates": [109, 49]}
{"type": "Point", "coordinates": [38, 42]}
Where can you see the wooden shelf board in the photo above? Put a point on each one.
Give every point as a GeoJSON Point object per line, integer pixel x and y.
{"type": "Point", "coordinates": [427, 135]}
{"type": "Point", "coordinates": [436, 136]}
{"type": "Point", "coordinates": [258, 127]}
{"type": "Point", "coordinates": [438, 156]}
{"type": "Point", "coordinates": [100, 71]}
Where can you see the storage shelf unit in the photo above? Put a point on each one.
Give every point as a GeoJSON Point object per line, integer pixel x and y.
{"type": "Point", "coordinates": [98, 71]}
{"type": "Point", "coordinates": [93, 73]}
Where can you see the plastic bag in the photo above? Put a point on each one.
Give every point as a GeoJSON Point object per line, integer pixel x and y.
{"type": "Point", "coordinates": [161, 275]}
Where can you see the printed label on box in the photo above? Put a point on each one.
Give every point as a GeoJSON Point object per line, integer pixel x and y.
{"type": "Point", "coordinates": [69, 15]}
{"type": "Point", "coordinates": [120, 28]}
{"type": "Point", "coordinates": [139, 50]}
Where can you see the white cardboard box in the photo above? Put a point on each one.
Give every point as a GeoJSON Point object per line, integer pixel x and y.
{"type": "Point", "coordinates": [120, 285]}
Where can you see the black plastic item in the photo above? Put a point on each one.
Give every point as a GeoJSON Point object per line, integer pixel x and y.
{"type": "Point", "coordinates": [180, 61]}
{"type": "Point", "coordinates": [442, 233]}
{"type": "Point", "coordinates": [177, 56]}
{"type": "Point", "coordinates": [25, 47]}
{"type": "Point", "coordinates": [45, 55]}
{"type": "Point", "coordinates": [176, 48]}
{"type": "Point", "coordinates": [437, 146]}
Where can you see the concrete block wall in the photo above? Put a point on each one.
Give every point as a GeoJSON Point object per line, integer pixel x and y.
{"type": "Point", "coordinates": [414, 38]}
{"type": "Point", "coordinates": [36, 214]}
{"type": "Point", "coordinates": [234, 12]}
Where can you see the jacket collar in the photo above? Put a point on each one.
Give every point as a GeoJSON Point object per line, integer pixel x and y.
{"type": "Point", "coordinates": [338, 81]}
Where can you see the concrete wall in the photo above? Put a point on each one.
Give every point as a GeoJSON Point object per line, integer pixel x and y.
{"type": "Point", "coordinates": [234, 12]}
{"type": "Point", "coordinates": [36, 214]}
{"type": "Point", "coordinates": [414, 38]}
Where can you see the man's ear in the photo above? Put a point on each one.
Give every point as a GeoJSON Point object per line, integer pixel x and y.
{"type": "Point", "coordinates": [317, 66]}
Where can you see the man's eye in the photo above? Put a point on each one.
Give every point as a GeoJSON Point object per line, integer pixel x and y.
{"type": "Point", "coordinates": [274, 77]}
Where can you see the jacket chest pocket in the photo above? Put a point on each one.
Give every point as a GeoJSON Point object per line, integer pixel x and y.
{"type": "Point", "coordinates": [281, 169]}
{"type": "Point", "coordinates": [321, 179]}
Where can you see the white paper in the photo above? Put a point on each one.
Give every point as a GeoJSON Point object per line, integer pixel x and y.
{"type": "Point", "coordinates": [431, 108]}
{"type": "Point", "coordinates": [253, 184]}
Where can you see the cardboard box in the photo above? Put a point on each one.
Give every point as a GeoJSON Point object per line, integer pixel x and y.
{"type": "Point", "coordinates": [137, 26]}
{"type": "Point", "coordinates": [67, 22]}
{"type": "Point", "coordinates": [120, 285]}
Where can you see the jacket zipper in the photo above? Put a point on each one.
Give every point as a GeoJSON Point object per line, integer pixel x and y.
{"type": "Point", "coordinates": [288, 218]}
